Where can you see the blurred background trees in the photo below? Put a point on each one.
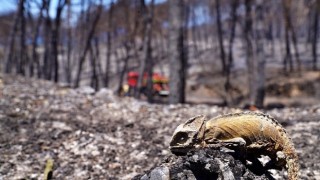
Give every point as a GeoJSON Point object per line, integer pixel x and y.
{"type": "Point", "coordinates": [98, 42]}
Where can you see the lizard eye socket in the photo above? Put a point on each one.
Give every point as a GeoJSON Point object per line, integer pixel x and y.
{"type": "Point", "coordinates": [180, 138]}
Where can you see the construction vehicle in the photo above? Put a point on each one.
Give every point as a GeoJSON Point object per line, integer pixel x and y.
{"type": "Point", "coordinates": [160, 84]}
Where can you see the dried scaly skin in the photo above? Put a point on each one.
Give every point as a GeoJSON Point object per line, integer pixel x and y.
{"type": "Point", "coordinates": [257, 133]}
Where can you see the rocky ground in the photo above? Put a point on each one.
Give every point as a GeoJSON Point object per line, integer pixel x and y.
{"type": "Point", "coordinates": [204, 164]}
{"type": "Point", "coordinates": [100, 136]}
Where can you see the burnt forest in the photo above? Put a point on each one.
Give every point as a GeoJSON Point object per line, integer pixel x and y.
{"type": "Point", "coordinates": [159, 89]}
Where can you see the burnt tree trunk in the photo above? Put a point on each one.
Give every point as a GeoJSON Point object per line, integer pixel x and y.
{"type": "Point", "coordinates": [12, 40]}
{"type": "Point", "coordinates": [220, 38]}
{"type": "Point", "coordinates": [295, 46]}
{"type": "Point", "coordinates": [35, 56]}
{"type": "Point", "coordinates": [87, 44]}
{"type": "Point", "coordinates": [127, 47]}
{"type": "Point", "coordinates": [234, 7]}
{"type": "Point", "coordinates": [177, 51]}
{"type": "Point", "coordinates": [290, 29]}
{"type": "Point", "coordinates": [227, 85]}
{"type": "Point", "coordinates": [69, 47]}
{"type": "Point", "coordinates": [143, 60]}
{"type": "Point", "coordinates": [55, 39]}
{"type": "Point", "coordinates": [47, 67]}
{"type": "Point", "coordinates": [147, 61]}
{"type": "Point", "coordinates": [288, 58]}
{"type": "Point", "coordinates": [194, 33]}
{"type": "Point", "coordinates": [315, 36]}
{"type": "Point", "coordinates": [109, 36]}
{"type": "Point", "coordinates": [255, 52]}
{"type": "Point", "coordinates": [148, 51]}
{"type": "Point", "coordinates": [93, 59]}
{"type": "Point", "coordinates": [249, 50]}
{"type": "Point", "coordinates": [260, 54]}
{"type": "Point", "coordinates": [23, 56]}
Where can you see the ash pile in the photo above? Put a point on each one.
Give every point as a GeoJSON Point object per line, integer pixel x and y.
{"type": "Point", "coordinates": [205, 164]}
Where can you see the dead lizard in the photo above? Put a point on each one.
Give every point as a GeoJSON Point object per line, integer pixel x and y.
{"type": "Point", "coordinates": [257, 133]}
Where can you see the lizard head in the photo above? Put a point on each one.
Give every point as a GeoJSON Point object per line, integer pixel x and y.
{"type": "Point", "coordinates": [188, 135]}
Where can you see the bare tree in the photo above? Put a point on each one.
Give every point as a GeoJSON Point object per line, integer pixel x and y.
{"type": "Point", "coordinates": [255, 52]}
{"type": "Point", "coordinates": [23, 54]}
{"type": "Point", "coordinates": [315, 35]}
{"type": "Point", "coordinates": [94, 57]}
{"type": "Point", "coordinates": [234, 6]}
{"type": "Point", "coordinates": [194, 32]}
{"type": "Point", "coordinates": [47, 66]}
{"type": "Point", "coordinates": [12, 39]}
{"type": "Point", "coordinates": [249, 49]}
{"type": "Point", "coordinates": [87, 43]}
{"type": "Point", "coordinates": [128, 44]}
{"type": "Point", "coordinates": [109, 36]}
{"type": "Point", "coordinates": [227, 85]}
{"type": "Point", "coordinates": [148, 34]}
{"type": "Point", "coordinates": [148, 51]}
{"type": "Point", "coordinates": [177, 51]}
{"type": "Point", "coordinates": [146, 64]}
{"type": "Point", "coordinates": [69, 46]}
{"type": "Point", "coordinates": [220, 37]}
{"type": "Point", "coordinates": [19, 57]}
{"type": "Point", "coordinates": [260, 53]}
{"type": "Point", "coordinates": [288, 57]}
{"type": "Point", "coordinates": [289, 28]}
{"type": "Point", "coordinates": [127, 47]}
{"type": "Point", "coordinates": [143, 61]}
{"type": "Point", "coordinates": [35, 56]}
{"type": "Point", "coordinates": [55, 39]}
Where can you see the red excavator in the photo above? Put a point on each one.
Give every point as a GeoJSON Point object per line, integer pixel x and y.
{"type": "Point", "coordinates": [160, 84]}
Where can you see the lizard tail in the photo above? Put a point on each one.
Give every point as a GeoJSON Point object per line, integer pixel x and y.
{"type": "Point", "coordinates": [292, 165]}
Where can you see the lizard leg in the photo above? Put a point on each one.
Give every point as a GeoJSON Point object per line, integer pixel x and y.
{"type": "Point", "coordinates": [277, 162]}
{"type": "Point", "coordinates": [234, 143]}
{"type": "Point", "coordinates": [238, 145]}
{"type": "Point", "coordinates": [281, 158]}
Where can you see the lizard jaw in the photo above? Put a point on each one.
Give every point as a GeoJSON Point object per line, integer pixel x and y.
{"type": "Point", "coordinates": [188, 135]}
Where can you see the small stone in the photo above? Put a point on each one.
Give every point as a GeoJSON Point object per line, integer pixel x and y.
{"type": "Point", "coordinates": [160, 173]}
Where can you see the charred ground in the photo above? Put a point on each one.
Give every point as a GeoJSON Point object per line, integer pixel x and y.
{"type": "Point", "coordinates": [101, 136]}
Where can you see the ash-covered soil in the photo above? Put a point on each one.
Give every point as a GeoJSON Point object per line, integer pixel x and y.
{"type": "Point", "coordinates": [202, 164]}
{"type": "Point", "coordinates": [100, 136]}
